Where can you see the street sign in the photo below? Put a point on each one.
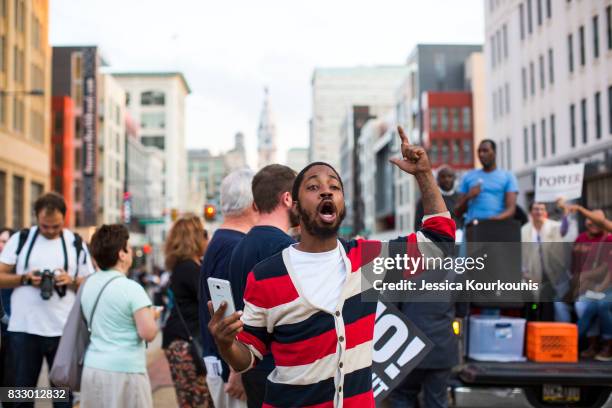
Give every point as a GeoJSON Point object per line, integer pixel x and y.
{"type": "Point", "coordinates": [148, 221]}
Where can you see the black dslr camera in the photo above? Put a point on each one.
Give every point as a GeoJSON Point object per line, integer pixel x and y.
{"type": "Point", "coordinates": [47, 284]}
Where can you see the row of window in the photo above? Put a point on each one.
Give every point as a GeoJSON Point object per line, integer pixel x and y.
{"type": "Point", "coordinates": [155, 141]}
{"type": "Point", "coordinates": [547, 133]}
{"type": "Point", "coordinates": [528, 77]}
{"type": "Point", "coordinates": [499, 46]}
{"type": "Point", "coordinates": [584, 114]}
{"type": "Point", "coordinates": [18, 198]}
{"type": "Point", "coordinates": [595, 40]}
{"type": "Point", "coordinates": [451, 151]}
{"type": "Point", "coordinates": [460, 119]}
{"type": "Point", "coordinates": [526, 14]}
{"type": "Point", "coordinates": [501, 101]}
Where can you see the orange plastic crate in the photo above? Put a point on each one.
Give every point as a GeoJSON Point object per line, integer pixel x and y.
{"type": "Point", "coordinates": [551, 342]}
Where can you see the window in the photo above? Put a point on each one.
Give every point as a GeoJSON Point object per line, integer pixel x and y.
{"type": "Point", "coordinates": [444, 119]}
{"type": "Point", "coordinates": [3, 194]}
{"type": "Point", "coordinates": [434, 152]}
{"type": "Point", "coordinates": [581, 40]}
{"type": "Point", "coordinates": [525, 145]}
{"type": "Point", "coordinates": [507, 95]}
{"type": "Point", "coordinates": [494, 96]}
{"type": "Point", "coordinates": [444, 151]}
{"type": "Point", "coordinates": [456, 150]}
{"type": "Point", "coordinates": [3, 13]}
{"type": "Point", "coordinates": [573, 124]}
{"type": "Point", "coordinates": [18, 115]}
{"type": "Point", "coordinates": [542, 80]}
{"type": "Point", "coordinates": [524, 81]}
{"type": "Point", "coordinates": [551, 66]}
{"type": "Point", "coordinates": [609, 26]}
{"type": "Point", "coordinates": [155, 141]}
{"type": "Point", "coordinates": [2, 55]}
{"type": "Point", "coordinates": [505, 40]}
{"type": "Point", "coordinates": [534, 147]}
{"type": "Point", "coordinates": [539, 11]}
{"type": "Point", "coordinates": [553, 136]}
{"type": "Point", "coordinates": [583, 112]}
{"type": "Point", "coordinates": [595, 36]}
{"type": "Point", "coordinates": [153, 120]}
{"type": "Point", "coordinates": [522, 20]}
{"type": "Point", "coordinates": [531, 78]}
{"type": "Point", "coordinates": [499, 47]}
{"type": "Point", "coordinates": [455, 119]}
{"type": "Point", "coordinates": [467, 151]}
{"type": "Point", "coordinates": [433, 119]}
{"type": "Point", "coordinates": [467, 119]}
{"type": "Point", "coordinates": [2, 117]}
{"type": "Point", "coordinates": [597, 115]}
{"type": "Point", "coordinates": [570, 53]}
{"type": "Point", "coordinates": [493, 58]}
{"type": "Point", "coordinates": [543, 129]}
{"type": "Point", "coordinates": [152, 98]}
{"type": "Point", "coordinates": [502, 153]}
{"type": "Point", "coordinates": [509, 153]}
{"type": "Point", "coordinates": [18, 202]}
{"type": "Point", "coordinates": [529, 19]}
{"type": "Point", "coordinates": [36, 190]}
{"type": "Point", "coordinates": [548, 8]}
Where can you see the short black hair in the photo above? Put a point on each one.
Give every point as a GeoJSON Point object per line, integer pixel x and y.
{"type": "Point", "coordinates": [531, 204]}
{"type": "Point", "coordinates": [300, 177]}
{"type": "Point", "coordinates": [106, 243]}
{"type": "Point", "coordinates": [6, 229]}
{"type": "Point", "coordinates": [493, 144]}
{"type": "Point", "coordinates": [269, 184]}
{"type": "Point", "coordinates": [50, 202]}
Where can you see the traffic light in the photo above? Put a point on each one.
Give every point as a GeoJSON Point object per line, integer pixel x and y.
{"type": "Point", "coordinates": [210, 212]}
{"type": "Point", "coordinates": [174, 214]}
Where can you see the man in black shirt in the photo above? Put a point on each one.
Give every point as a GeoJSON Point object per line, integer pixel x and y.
{"type": "Point", "coordinates": [446, 182]}
{"type": "Point", "coordinates": [272, 198]}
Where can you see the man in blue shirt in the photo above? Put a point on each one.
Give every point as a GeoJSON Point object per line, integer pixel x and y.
{"type": "Point", "coordinates": [272, 198]}
{"type": "Point", "coordinates": [488, 193]}
{"type": "Point", "coordinates": [224, 385]}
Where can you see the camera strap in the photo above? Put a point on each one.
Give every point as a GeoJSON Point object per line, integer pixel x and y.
{"type": "Point", "coordinates": [65, 251]}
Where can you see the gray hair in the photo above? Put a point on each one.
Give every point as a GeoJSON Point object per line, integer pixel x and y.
{"type": "Point", "coordinates": [236, 192]}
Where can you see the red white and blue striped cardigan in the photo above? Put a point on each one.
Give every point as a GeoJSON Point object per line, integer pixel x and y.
{"type": "Point", "coordinates": [322, 359]}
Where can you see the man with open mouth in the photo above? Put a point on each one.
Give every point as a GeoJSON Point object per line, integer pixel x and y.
{"type": "Point", "coordinates": [303, 305]}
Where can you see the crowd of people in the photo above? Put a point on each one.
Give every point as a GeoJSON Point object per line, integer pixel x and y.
{"type": "Point", "coordinates": [301, 334]}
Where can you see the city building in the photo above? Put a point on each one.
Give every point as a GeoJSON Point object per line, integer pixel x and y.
{"type": "Point", "coordinates": [156, 100]}
{"type": "Point", "coordinates": [548, 75]}
{"type": "Point", "coordinates": [266, 135]}
{"type": "Point", "coordinates": [143, 207]}
{"type": "Point", "coordinates": [25, 108]}
{"type": "Point", "coordinates": [203, 166]}
{"type": "Point", "coordinates": [76, 75]}
{"type": "Point", "coordinates": [236, 158]}
{"type": "Point", "coordinates": [111, 149]}
{"type": "Point", "coordinates": [297, 158]}
{"type": "Point", "coordinates": [335, 91]}
{"type": "Point", "coordinates": [62, 152]}
{"type": "Point", "coordinates": [475, 83]}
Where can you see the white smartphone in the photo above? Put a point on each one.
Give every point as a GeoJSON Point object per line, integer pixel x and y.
{"type": "Point", "coordinates": [221, 291]}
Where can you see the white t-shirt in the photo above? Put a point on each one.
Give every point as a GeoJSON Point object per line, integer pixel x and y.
{"type": "Point", "coordinates": [29, 312]}
{"type": "Point", "coordinates": [321, 276]}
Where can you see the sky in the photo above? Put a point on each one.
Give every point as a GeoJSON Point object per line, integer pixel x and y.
{"type": "Point", "coordinates": [230, 50]}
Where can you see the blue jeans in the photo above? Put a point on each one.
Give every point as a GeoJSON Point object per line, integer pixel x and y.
{"type": "Point", "coordinates": [596, 310]}
{"type": "Point", "coordinates": [27, 353]}
{"type": "Point", "coordinates": [434, 383]}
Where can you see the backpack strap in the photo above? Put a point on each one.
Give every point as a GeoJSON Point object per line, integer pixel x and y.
{"type": "Point", "coordinates": [23, 237]}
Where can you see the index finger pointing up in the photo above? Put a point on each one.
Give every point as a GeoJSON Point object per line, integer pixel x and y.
{"type": "Point", "coordinates": [402, 135]}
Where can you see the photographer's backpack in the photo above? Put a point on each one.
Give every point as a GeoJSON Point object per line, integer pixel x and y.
{"type": "Point", "coordinates": [25, 233]}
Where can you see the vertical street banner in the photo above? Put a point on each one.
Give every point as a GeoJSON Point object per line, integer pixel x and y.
{"type": "Point", "coordinates": [399, 346]}
{"type": "Point", "coordinates": [555, 182]}
{"type": "Point", "coordinates": [89, 126]}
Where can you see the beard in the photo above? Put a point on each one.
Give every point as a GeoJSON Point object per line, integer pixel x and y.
{"type": "Point", "coordinates": [321, 231]}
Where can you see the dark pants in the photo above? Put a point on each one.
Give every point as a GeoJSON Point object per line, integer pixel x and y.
{"type": "Point", "coordinates": [28, 351]}
{"type": "Point", "coordinates": [434, 384]}
{"type": "Point", "coordinates": [254, 382]}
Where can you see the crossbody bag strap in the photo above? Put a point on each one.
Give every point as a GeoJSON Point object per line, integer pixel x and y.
{"type": "Point", "coordinates": [91, 315]}
{"type": "Point", "coordinates": [178, 310]}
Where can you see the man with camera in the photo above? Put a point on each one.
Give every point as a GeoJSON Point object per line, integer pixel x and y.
{"type": "Point", "coordinates": [45, 264]}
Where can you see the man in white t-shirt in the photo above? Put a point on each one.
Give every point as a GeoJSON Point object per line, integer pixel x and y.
{"type": "Point", "coordinates": [37, 320]}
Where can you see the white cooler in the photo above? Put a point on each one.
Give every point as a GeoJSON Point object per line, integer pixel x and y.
{"type": "Point", "coordinates": [496, 338]}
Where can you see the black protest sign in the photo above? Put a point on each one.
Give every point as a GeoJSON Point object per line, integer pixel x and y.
{"type": "Point", "coordinates": [399, 346]}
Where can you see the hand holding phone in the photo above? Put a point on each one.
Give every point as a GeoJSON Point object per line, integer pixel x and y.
{"type": "Point", "coordinates": [221, 291]}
